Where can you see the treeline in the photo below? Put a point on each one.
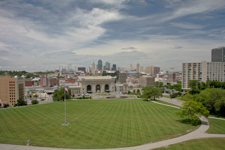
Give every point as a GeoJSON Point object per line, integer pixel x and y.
{"type": "Point", "coordinates": [12, 73]}
{"type": "Point", "coordinates": [177, 86]}
{"type": "Point", "coordinates": [210, 94]}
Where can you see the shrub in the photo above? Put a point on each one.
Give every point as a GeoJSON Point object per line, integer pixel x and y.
{"type": "Point", "coordinates": [34, 102]}
{"type": "Point", "coordinates": [195, 120]}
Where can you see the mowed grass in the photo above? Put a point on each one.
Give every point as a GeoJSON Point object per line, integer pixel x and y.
{"type": "Point", "coordinates": [93, 124]}
{"type": "Point", "coordinates": [216, 126]}
{"type": "Point", "coordinates": [201, 144]}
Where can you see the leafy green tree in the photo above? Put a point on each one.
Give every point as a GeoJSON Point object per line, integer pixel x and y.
{"type": "Point", "coordinates": [203, 85]}
{"type": "Point", "coordinates": [129, 92]}
{"type": "Point", "coordinates": [134, 91]}
{"type": "Point", "coordinates": [58, 95]}
{"type": "Point", "coordinates": [20, 102]}
{"type": "Point", "coordinates": [208, 83]}
{"type": "Point", "coordinates": [138, 92]}
{"type": "Point", "coordinates": [156, 84]}
{"type": "Point", "coordinates": [191, 108]}
{"type": "Point", "coordinates": [160, 84]}
{"type": "Point", "coordinates": [150, 91]}
{"type": "Point", "coordinates": [194, 90]}
{"type": "Point", "coordinates": [193, 83]}
{"type": "Point", "coordinates": [34, 102]}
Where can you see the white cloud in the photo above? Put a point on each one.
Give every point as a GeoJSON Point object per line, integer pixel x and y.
{"type": "Point", "coordinates": [187, 25]}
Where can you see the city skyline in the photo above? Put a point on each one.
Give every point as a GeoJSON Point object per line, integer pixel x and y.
{"type": "Point", "coordinates": [41, 35]}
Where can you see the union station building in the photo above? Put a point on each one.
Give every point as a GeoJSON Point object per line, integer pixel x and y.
{"type": "Point", "coordinates": [96, 84]}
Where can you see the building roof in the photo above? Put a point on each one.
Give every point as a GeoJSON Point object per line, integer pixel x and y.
{"type": "Point", "coordinates": [94, 77]}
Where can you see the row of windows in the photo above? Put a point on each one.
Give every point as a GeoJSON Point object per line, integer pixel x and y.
{"type": "Point", "coordinates": [11, 87]}
{"type": "Point", "coordinates": [11, 81]}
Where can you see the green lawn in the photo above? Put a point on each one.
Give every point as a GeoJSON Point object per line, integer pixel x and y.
{"type": "Point", "coordinates": [201, 144]}
{"type": "Point", "coordinates": [216, 126]}
{"type": "Point", "coordinates": [93, 124]}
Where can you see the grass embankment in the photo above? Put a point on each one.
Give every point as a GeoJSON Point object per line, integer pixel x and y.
{"type": "Point", "coordinates": [216, 126]}
{"type": "Point", "coordinates": [93, 124]}
{"type": "Point", "coordinates": [203, 144]}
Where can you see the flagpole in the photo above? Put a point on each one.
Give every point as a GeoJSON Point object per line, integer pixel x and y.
{"type": "Point", "coordinates": [65, 90]}
{"type": "Point", "coordinates": [65, 104]}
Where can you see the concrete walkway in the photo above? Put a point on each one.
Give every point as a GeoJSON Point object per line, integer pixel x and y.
{"type": "Point", "coordinates": [197, 134]}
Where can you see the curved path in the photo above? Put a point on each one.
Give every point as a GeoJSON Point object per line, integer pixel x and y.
{"type": "Point", "coordinates": [197, 134]}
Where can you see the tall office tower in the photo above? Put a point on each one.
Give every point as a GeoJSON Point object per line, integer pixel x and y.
{"type": "Point", "coordinates": [107, 66]}
{"type": "Point", "coordinates": [99, 64]}
{"type": "Point", "coordinates": [202, 71]}
{"type": "Point", "coordinates": [114, 67]}
{"type": "Point", "coordinates": [218, 54]}
{"type": "Point", "coordinates": [150, 69]}
{"type": "Point", "coordinates": [141, 69]}
{"type": "Point", "coordinates": [131, 67]}
{"type": "Point", "coordinates": [88, 69]}
{"type": "Point", "coordinates": [122, 77]}
{"type": "Point", "coordinates": [138, 67]}
{"type": "Point", "coordinates": [11, 89]}
{"type": "Point", "coordinates": [93, 68]}
{"type": "Point", "coordinates": [156, 70]}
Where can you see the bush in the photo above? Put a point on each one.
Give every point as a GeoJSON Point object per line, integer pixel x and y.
{"type": "Point", "coordinates": [34, 102]}
{"type": "Point", "coordinates": [195, 120]}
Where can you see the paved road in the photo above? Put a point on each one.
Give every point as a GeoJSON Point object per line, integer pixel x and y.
{"type": "Point", "coordinates": [197, 134]}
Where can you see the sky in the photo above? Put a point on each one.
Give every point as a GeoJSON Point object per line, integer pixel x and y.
{"type": "Point", "coordinates": [39, 35]}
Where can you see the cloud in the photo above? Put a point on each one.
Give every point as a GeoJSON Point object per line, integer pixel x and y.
{"type": "Point", "coordinates": [178, 47]}
{"type": "Point", "coordinates": [187, 25]}
{"type": "Point", "coordinates": [129, 48]}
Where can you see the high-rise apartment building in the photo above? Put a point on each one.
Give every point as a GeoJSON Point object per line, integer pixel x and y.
{"type": "Point", "coordinates": [11, 89]}
{"type": "Point", "coordinates": [99, 64]}
{"type": "Point", "coordinates": [150, 69]}
{"type": "Point", "coordinates": [141, 69]}
{"type": "Point", "coordinates": [218, 54]}
{"type": "Point", "coordinates": [138, 67]}
{"type": "Point", "coordinates": [202, 71]}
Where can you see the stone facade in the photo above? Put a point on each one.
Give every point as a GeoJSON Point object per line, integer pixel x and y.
{"type": "Point", "coordinates": [96, 84]}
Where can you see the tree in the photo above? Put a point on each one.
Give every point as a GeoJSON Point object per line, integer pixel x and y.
{"type": "Point", "coordinates": [138, 92]}
{"type": "Point", "coordinates": [129, 92]}
{"type": "Point", "coordinates": [149, 92]}
{"type": "Point", "coordinates": [20, 102]}
{"type": "Point", "coordinates": [58, 95]}
{"type": "Point", "coordinates": [203, 85]}
{"type": "Point", "coordinates": [191, 108]}
{"type": "Point", "coordinates": [160, 84]}
{"type": "Point", "coordinates": [34, 102]}
{"type": "Point", "coordinates": [194, 90]}
{"type": "Point", "coordinates": [134, 91]}
{"type": "Point", "coordinates": [193, 83]}
{"type": "Point", "coordinates": [35, 95]}
{"type": "Point", "coordinates": [208, 83]}
{"type": "Point", "coordinates": [156, 84]}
